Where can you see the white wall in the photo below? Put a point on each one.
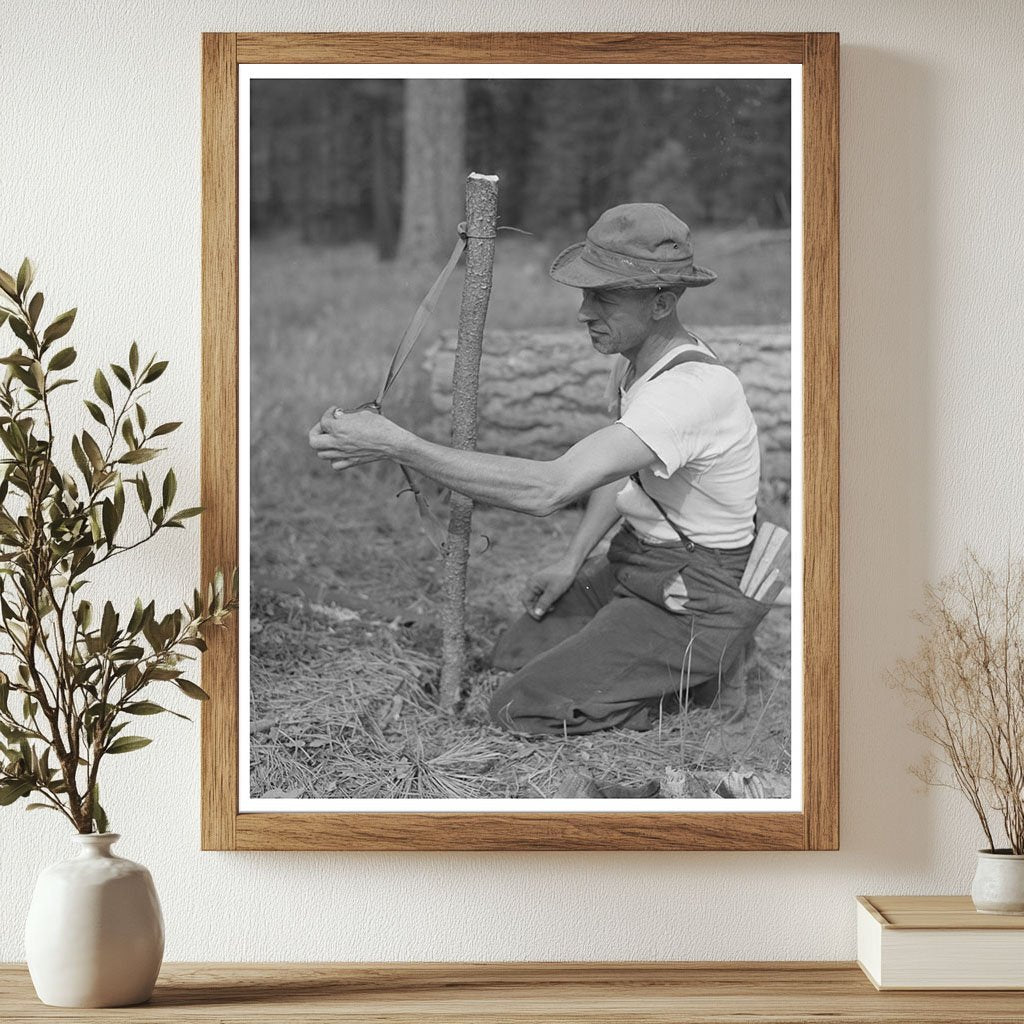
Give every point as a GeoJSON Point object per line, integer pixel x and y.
{"type": "Point", "coordinates": [99, 182]}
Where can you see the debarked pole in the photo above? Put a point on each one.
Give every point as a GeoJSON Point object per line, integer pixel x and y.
{"type": "Point", "coordinates": [481, 220]}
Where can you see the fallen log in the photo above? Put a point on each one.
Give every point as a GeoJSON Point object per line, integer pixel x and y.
{"type": "Point", "coordinates": [541, 390]}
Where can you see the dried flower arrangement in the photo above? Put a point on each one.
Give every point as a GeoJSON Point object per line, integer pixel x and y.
{"type": "Point", "coordinates": [967, 679]}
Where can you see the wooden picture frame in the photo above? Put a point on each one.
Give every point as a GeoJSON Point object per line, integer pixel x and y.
{"type": "Point", "coordinates": [816, 825]}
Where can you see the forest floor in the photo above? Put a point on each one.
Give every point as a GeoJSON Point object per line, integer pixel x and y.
{"type": "Point", "coordinates": [345, 588]}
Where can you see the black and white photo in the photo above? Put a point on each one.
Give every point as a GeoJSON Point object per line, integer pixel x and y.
{"type": "Point", "coordinates": [632, 509]}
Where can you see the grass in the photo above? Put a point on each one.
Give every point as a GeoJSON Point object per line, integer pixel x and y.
{"type": "Point", "coordinates": [345, 588]}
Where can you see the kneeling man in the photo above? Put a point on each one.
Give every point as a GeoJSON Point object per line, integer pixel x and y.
{"type": "Point", "coordinates": [604, 642]}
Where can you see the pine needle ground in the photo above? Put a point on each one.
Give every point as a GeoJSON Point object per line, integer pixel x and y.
{"type": "Point", "coordinates": [345, 589]}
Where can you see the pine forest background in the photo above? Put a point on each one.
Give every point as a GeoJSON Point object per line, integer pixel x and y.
{"type": "Point", "coordinates": [343, 160]}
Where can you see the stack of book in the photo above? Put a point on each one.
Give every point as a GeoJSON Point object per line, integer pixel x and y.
{"type": "Point", "coordinates": [938, 942]}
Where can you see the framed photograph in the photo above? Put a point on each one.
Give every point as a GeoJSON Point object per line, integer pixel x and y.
{"type": "Point", "coordinates": [520, 420]}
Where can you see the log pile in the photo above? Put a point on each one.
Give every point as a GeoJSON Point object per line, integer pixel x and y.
{"type": "Point", "coordinates": [542, 390]}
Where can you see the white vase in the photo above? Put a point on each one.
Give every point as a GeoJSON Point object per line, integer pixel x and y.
{"type": "Point", "coordinates": [95, 934]}
{"type": "Point", "coordinates": [999, 883]}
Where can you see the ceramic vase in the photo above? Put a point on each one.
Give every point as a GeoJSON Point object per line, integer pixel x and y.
{"type": "Point", "coordinates": [999, 882]}
{"type": "Point", "coordinates": [95, 934]}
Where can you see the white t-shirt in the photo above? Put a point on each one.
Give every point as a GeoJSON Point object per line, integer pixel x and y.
{"type": "Point", "coordinates": [695, 418]}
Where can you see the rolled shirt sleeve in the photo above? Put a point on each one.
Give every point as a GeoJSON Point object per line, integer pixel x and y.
{"type": "Point", "coordinates": [696, 421]}
{"type": "Point", "coordinates": [672, 420]}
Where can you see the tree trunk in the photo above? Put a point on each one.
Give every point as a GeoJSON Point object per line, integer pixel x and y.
{"type": "Point", "coordinates": [385, 230]}
{"type": "Point", "coordinates": [558, 140]}
{"type": "Point", "coordinates": [435, 129]}
{"type": "Point", "coordinates": [481, 217]}
{"type": "Point", "coordinates": [381, 100]}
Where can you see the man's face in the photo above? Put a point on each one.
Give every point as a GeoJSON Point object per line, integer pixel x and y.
{"type": "Point", "coordinates": [619, 320]}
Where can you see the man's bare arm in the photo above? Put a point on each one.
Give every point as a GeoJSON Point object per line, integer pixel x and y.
{"type": "Point", "coordinates": [600, 516]}
{"type": "Point", "coordinates": [546, 585]}
{"type": "Point", "coordinates": [526, 485]}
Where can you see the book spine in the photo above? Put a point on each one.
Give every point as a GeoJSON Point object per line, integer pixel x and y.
{"type": "Point", "coordinates": [951, 958]}
{"type": "Point", "coordinates": [869, 945]}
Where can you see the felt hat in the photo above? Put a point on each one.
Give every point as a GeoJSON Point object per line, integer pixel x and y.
{"type": "Point", "coordinates": [636, 245]}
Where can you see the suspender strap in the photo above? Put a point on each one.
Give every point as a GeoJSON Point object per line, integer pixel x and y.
{"type": "Point", "coordinates": [635, 477]}
{"type": "Point", "coordinates": [690, 356]}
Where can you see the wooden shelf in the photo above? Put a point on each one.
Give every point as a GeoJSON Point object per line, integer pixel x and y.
{"type": "Point", "coordinates": [637, 993]}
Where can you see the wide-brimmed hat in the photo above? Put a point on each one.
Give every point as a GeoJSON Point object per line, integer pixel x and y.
{"type": "Point", "coordinates": [636, 245]}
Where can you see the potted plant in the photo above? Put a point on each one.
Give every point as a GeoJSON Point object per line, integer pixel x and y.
{"type": "Point", "coordinates": [967, 679]}
{"type": "Point", "coordinates": [81, 671]}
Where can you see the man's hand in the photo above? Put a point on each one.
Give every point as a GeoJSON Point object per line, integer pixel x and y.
{"type": "Point", "coordinates": [351, 438]}
{"type": "Point", "coordinates": [545, 587]}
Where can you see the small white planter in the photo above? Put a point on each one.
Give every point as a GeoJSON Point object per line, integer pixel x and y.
{"type": "Point", "coordinates": [95, 934]}
{"type": "Point", "coordinates": [999, 883]}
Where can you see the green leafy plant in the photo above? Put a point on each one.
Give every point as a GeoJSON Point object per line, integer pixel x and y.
{"type": "Point", "coordinates": [80, 674]}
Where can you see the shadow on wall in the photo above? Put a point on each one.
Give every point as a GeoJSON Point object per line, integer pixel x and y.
{"type": "Point", "coordinates": [887, 259]}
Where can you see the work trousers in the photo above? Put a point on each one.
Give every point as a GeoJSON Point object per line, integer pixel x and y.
{"type": "Point", "coordinates": [609, 652]}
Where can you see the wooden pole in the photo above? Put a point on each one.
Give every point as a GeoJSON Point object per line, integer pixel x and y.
{"type": "Point", "coordinates": [481, 217]}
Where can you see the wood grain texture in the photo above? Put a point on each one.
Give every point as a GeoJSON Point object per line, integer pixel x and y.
{"type": "Point", "coordinates": [821, 440]}
{"type": "Point", "coordinates": [936, 913]}
{"type": "Point", "coordinates": [525, 993]}
{"type": "Point", "coordinates": [520, 48]}
{"type": "Point", "coordinates": [818, 826]}
{"type": "Point", "coordinates": [219, 432]}
{"type": "Point", "coordinates": [520, 831]}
